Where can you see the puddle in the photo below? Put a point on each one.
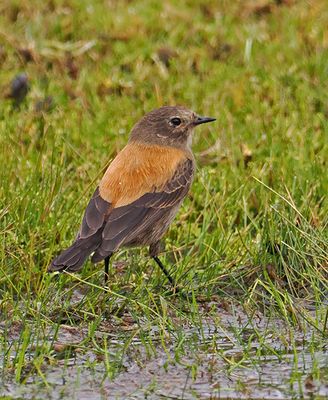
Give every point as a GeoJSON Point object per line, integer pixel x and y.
{"type": "Point", "coordinates": [227, 360]}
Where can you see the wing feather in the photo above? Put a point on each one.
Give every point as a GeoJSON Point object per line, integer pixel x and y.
{"type": "Point", "coordinates": [94, 216]}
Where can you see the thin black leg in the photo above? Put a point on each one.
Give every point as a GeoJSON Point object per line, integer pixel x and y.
{"type": "Point", "coordinates": [107, 268]}
{"type": "Point", "coordinates": [166, 273]}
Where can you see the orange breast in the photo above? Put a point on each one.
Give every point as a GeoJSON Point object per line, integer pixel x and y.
{"type": "Point", "coordinates": [139, 169]}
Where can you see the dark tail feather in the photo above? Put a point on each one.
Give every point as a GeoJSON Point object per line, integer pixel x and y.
{"type": "Point", "coordinates": [99, 256]}
{"type": "Point", "coordinates": [75, 256]}
{"type": "Point", "coordinates": [70, 259]}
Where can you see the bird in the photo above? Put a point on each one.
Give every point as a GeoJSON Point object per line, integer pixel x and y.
{"type": "Point", "coordinates": [140, 192]}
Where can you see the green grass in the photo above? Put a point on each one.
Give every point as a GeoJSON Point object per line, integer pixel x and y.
{"type": "Point", "coordinates": [254, 227]}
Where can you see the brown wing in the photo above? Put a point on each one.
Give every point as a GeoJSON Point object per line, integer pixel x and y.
{"type": "Point", "coordinates": [94, 216]}
{"type": "Point", "coordinates": [124, 224]}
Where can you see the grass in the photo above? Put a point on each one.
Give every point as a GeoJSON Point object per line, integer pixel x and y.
{"type": "Point", "coordinates": [253, 230]}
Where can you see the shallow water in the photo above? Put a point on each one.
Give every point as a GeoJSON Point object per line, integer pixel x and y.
{"type": "Point", "coordinates": [215, 365]}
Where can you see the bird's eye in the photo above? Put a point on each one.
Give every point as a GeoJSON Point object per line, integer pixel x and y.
{"type": "Point", "coordinates": [175, 121]}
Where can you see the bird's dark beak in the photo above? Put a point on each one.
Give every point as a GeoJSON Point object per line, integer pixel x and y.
{"type": "Point", "coordinates": [203, 120]}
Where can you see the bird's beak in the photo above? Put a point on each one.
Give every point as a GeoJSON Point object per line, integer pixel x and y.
{"type": "Point", "coordinates": [203, 120]}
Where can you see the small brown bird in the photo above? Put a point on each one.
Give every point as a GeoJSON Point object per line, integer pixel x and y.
{"type": "Point", "coordinates": [140, 193]}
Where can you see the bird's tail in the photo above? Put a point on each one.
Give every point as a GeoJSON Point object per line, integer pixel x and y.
{"type": "Point", "coordinates": [73, 258]}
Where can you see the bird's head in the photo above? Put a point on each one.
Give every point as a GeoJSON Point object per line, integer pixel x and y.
{"type": "Point", "coordinates": [168, 126]}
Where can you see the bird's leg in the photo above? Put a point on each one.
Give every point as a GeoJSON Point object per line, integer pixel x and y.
{"type": "Point", "coordinates": [106, 260]}
{"type": "Point", "coordinates": [154, 249]}
{"type": "Point", "coordinates": [166, 272]}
